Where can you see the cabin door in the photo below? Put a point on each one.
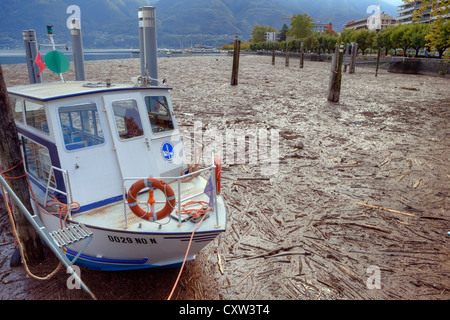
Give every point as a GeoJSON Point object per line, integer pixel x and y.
{"type": "Point", "coordinates": [131, 136]}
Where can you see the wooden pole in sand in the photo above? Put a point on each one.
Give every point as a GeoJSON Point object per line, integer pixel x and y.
{"type": "Point", "coordinates": [378, 62]}
{"type": "Point", "coordinates": [353, 58]}
{"type": "Point", "coordinates": [287, 54]}
{"type": "Point", "coordinates": [302, 55]}
{"type": "Point", "coordinates": [11, 159]}
{"type": "Point", "coordinates": [334, 87]}
{"type": "Point", "coordinates": [235, 71]}
{"type": "Point", "coordinates": [273, 57]}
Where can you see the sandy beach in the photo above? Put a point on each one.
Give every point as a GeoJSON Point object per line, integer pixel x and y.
{"type": "Point", "coordinates": [356, 205]}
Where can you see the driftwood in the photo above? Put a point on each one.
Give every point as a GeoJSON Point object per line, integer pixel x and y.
{"type": "Point", "coordinates": [292, 253]}
{"type": "Point", "coordinates": [219, 262]}
{"type": "Point", "coordinates": [271, 252]}
{"type": "Point", "coordinates": [276, 229]}
{"type": "Point", "coordinates": [385, 209]}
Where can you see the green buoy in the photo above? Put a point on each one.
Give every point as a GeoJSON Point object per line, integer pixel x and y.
{"type": "Point", "coordinates": [57, 62]}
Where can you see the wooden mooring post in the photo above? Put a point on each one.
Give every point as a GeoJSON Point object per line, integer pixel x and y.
{"type": "Point", "coordinates": [353, 58]}
{"type": "Point", "coordinates": [302, 55]}
{"type": "Point", "coordinates": [287, 56]}
{"type": "Point", "coordinates": [334, 87]}
{"type": "Point", "coordinates": [273, 57]}
{"type": "Point", "coordinates": [378, 61]}
{"type": "Point", "coordinates": [235, 72]}
{"type": "Point", "coordinates": [14, 172]}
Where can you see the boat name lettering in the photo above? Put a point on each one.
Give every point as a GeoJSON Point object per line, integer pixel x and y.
{"type": "Point", "coordinates": [118, 239]}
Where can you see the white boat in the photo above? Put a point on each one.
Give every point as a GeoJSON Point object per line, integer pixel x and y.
{"type": "Point", "coordinates": [204, 49]}
{"type": "Point", "coordinates": [108, 159]}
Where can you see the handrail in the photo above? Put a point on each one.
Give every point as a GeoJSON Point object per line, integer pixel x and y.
{"type": "Point", "coordinates": [179, 199]}
{"type": "Point", "coordinates": [195, 157]}
{"type": "Point", "coordinates": [68, 192]}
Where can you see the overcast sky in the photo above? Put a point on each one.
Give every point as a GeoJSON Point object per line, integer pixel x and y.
{"type": "Point", "coordinates": [395, 2]}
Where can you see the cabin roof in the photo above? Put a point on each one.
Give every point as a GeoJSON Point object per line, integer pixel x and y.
{"type": "Point", "coordinates": [58, 90]}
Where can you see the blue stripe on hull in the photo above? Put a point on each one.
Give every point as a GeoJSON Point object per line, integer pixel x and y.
{"type": "Point", "coordinates": [102, 264]}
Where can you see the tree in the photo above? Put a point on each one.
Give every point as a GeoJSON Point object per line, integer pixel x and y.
{"type": "Point", "coordinates": [330, 42]}
{"type": "Point", "coordinates": [311, 43]}
{"type": "Point", "coordinates": [439, 36]}
{"type": "Point", "coordinates": [327, 42]}
{"type": "Point", "coordinates": [302, 26]}
{"type": "Point", "coordinates": [400, 38]}
{"type": "Point", "coordinates": [283, 33]}
{"type": "Point", "coordinates": [294, 45]}
{"type": "Point", "coordinates": [348, 36]}
{"type": "Point", "coordinates": [259, 33]}
{"type": "Point", "coordinates": [416, 33]}
{"type": "Point", "coordinates": [11, 158]}
{"type": "Point", "coordinates": [365, 39]}
{"type": "Point", "coordinates": [383, 39]}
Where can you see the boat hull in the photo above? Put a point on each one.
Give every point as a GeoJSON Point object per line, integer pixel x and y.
{"type": "Point", "coordinates": [118, 250]}
{"type": "Point", "coordinates": [131, 251]}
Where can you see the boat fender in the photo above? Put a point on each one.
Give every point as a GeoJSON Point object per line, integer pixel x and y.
{"type": "Point", "coordinates": [218, 172]}
{"type": "Point", "coordinates": [151, 183]}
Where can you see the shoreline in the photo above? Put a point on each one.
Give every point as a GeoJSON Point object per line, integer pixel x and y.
{"type": "Point", "coordinates": [438, 68]}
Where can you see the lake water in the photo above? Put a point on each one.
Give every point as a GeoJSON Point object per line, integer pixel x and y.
{"type": "Point", "coordinates": [18, 56]}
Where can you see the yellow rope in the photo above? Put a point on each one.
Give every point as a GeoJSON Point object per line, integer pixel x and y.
{"type": "Point", "coordinates": [22, 254]}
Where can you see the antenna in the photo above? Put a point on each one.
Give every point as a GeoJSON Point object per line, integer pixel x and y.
{"type": "Point", "coordinates": [55, 60]}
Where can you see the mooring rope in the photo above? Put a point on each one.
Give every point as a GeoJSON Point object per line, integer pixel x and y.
{"type": "Point", "coordinates": [14, 229]}
{"type": "Point", "coordinates": [22, 252]}
{"type": "Point", "coordinates": [185, 257]}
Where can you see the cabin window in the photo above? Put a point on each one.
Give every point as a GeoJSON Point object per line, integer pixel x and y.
{"type": "Point", "coordinates": [128, 120]}
{"type": "Point", "coordinates": [37, 162]}
{"type": "Point", "coordinates": [16, 108]}
{"type": "Point", "coordinates": [35, 116]}
{"type": "Point", "coordinates": [159, 113]}
{"type": "Point", "coordinates": [80, 125]}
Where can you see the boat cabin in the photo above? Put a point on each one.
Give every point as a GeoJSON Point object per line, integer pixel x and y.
{"type": "Point", "coordinates": [94, 136]}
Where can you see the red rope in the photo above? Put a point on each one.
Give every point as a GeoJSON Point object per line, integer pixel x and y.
{"type": "Point", "coordinates": [195, 212]}
{"type": "Point", "coordinates": [63, 208]}
{"type": "Point", "coordinates": [185, 258]}
{"type": "Point", "coordinates": [11, 169]}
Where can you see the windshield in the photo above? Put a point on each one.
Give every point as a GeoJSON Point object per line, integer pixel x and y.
{"type": "Point", "coordinates": [159, 113]}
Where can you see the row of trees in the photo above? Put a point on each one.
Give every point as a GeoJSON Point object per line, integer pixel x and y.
{"type": "Point", "coordinates": [408, 36]}
{"type": "Point", "coordinates": [432, 35]}
{"type": "Point", "coordinates": [414, 36]}
{"type": "Point", "coordinates": [302, 30]}
{"type": "Point", "coordinates": [318, 42]}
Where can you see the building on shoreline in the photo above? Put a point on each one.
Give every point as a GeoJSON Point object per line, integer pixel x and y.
{"type": "Point", "coordinates": [405, 13]}
{"type": "Point", "coordinates": [271, 36]}
{"type": "Point", "coordinates": [386, 21]}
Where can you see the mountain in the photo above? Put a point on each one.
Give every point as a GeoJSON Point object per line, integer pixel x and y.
{"type": "Point", "coordinates": [185, 20]}
{"type": "Point", "coordinates": [180, 23]}
{"type": "Point", "coordinates": [222, 16]}
{"type": "Point", "coordinates": [104, 23]}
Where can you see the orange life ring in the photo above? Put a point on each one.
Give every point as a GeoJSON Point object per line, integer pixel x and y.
{"type": "Point", "coordinates": [151, 183]}
{"type": "Point", "coordinates": [218, 173]}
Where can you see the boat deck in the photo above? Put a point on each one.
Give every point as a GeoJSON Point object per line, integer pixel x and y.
{"type": "Point", "coordinates": [118, 216]}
